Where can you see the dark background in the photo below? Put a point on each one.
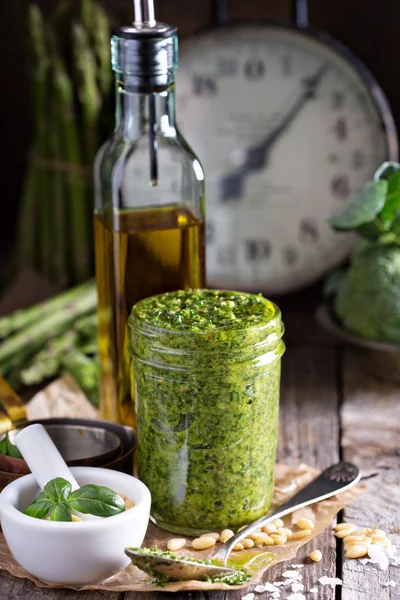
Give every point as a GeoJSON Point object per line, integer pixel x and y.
{"type": "Point", "coordinates": [368, 27]}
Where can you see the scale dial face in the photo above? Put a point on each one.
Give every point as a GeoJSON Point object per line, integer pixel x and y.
{"type": "Point", "coordinates": [287, 131]}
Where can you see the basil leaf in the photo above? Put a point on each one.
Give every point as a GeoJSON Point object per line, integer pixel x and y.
{"type": "Point", "coordinates": [61, 511]}
{"type": "Point", "coordinates": [362, 209]}
{"type": "Point", "coordinates": [40, 507]}
{"type": "Point", "coordinates": [8, 448]}
{"type": "Point", "coordinates": [96, 500]}
{"type": "Point", "coordinates": [57, 490]}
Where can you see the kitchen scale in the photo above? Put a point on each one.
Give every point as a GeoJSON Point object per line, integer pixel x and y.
{"type": "Point", "coordinates": [289, 125]}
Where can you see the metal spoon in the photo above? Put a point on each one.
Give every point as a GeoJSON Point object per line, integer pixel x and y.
{"type": "Point", "coordinates": [336, 479]}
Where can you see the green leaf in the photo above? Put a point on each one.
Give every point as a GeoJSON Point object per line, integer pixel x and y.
{"type": "Point", "coordinates": [371, 231]}
{"type": "Point", "coordinates": [386, 170]}
{"type": "Point", "coordinates": [362, 209]}
{"type": "Point", "coordinates": [97, 500]}
{"type": "Point", "coordinates": [57, 490]}
{"type": "Point", "coordinates": [40, 508]}
{"type": "Point", "coordinates": [8, 448]}
{"type": "Point", "coordinates": [61, 511]}
{"type": "Point", "coordinates": [392, 203]}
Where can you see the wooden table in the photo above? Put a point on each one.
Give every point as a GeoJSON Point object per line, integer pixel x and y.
{"type": "Point", "coordinates": [330, 410]}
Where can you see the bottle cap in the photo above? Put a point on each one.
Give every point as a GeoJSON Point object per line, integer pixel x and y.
{"type": "Point", "coordinates": [145, 52]}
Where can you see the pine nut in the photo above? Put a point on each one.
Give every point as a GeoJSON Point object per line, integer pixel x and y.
{"type": "Point", "coordinates": [289, 533]}
{"type": "Point", "coordinates": [305, 524]}
{"type": "Point", "coordinates": [340, 526]}
{"type": "Point", "coordinates": [260, 535]}
{"type": "Point", "coordinates": [129, 504]}
{"type": "Point", "coordinates": [363, 540]}
{"type": "Point", "coordinates": [299, 535]}
{"type": "Point", "coordinates": [384, 543]}
{"type": "Point", "coordinates": [342, 533]}
{"type": "Point", "coordinates": [248, 543]}
{"type": "Point", "coordinates": [353, 538]}
{"type": "Point", "coordinates": [75, 518]}
{"type": "Point", "coordinates": [239, 546]}
{"type": "Point", "coordinates": [203, 543]}
{"type": "Point", "coordinates": [278, 539]}
{"type": "Point", "coordinates": [278, 523]}
{"type": "Point", "coordinates": [361, 531]}
{"type": "Point", "coordinates": [175, 544]}
{"type": "Point", "coordinates": [255, 535]}
{"type": "Point", "coordinates": [357, 551]}
{"type": "Point", "coordinates": [377, 534]}
{"type": "Point", "coordinates": [282, 533]}
{"type": "Point", "coordinates": [226, 534]}
{"type": "Point", "coordinates": [316, 555]}
{"type": "Point", "coordinates": [216, 536]}
{"type": "Point", "coordinates": [264, 541]}
{"type": "Point", "coordinates": [122, 496]}
{"type": "Point", "coordinates": [269, 528]}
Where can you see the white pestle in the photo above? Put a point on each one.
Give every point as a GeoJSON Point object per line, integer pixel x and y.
{"type": "Point", "coordinates": [44, 459]}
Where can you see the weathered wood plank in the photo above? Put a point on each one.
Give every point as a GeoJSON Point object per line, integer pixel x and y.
{"type": "Point", "coordinates": [13, 588]}
{"type": "Point", "coordinates": [309, 432]}
{"type": "Point", "coordinates": [370, 418]}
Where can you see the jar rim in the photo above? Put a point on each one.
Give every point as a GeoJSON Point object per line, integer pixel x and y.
{"type": "Point", "coordinates": [274, 318]}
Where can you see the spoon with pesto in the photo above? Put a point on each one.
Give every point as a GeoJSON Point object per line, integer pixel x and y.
{"type": "Point", "coordinates": [166, 566]}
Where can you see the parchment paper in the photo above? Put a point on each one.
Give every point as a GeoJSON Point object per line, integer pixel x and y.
{"type": "Point", "coordinates": [288, 480]}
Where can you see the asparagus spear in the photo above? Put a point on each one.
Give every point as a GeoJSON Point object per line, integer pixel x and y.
{"type": "Point", "coordinates": [47, 362]}
{"type": "Point", "coordinates": [59, 203]}
{"type": "Point", "coordinates": [88, 93]}
{"type": "Point", "coordinates": [87, 326]}
{"type": "Point", "coordinates": [85, 371]}
{"type": "Point", "coordinates": [32, 213]}
{"type": "Point", "coordinates": [76, 186]}
{"type": "Point", "coordinates": [27, 316]}
{"type": "Point", "coordinates": [95, 21]}
{"type": "Point", "coordinates": [26, 342]}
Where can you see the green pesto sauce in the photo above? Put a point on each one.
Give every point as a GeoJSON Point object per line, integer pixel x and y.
{"type": "Point", "coordinates": [202, 310]}
{"type": "Point", "coordinates": [207, 393]}
{"type": "Point", "coordinates": [241, 576]}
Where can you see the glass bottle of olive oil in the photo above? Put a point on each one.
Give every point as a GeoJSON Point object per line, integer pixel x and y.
{"type": "Point", "coordinates": [149, 202]}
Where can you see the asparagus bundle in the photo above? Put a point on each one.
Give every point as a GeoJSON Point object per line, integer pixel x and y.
{"type": "Point", "coordinates": [71, 80]}
{"type": "Point", "coordinates": [56, 336]}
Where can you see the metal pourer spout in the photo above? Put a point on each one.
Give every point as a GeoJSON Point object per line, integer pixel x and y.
{"type": "Point", "coordinates": [144, 13]}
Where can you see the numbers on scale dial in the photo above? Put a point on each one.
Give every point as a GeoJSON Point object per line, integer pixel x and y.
{"type": "Point", "coordinates": [256, 250]}
{"type": "Point", "coordinates": [340, 187]}
{"type": "Point", "coordinates": [340, 129]}
{"type": "Point", "coordinates": [290, 255]}
{"type": "Point", "coordinates": [309, 230]}
{"type": "Point", "coordinates": [254, 68]}
{"type": "Point", "coordinates": [204, 85]}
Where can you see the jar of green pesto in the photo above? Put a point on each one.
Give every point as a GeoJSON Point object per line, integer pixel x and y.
{"type": "Point", "coordinates": [207, 375]}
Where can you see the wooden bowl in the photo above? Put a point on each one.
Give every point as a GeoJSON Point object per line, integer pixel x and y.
{"type": "Point", "coordinates": [379, 359]}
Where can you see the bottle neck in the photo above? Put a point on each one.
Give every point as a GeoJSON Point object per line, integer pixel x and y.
{"type": "Point", "coordinates": [136, 112]}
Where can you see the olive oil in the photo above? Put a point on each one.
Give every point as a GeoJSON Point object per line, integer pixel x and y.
{"type": "Point", "coordinates": [139, 253]}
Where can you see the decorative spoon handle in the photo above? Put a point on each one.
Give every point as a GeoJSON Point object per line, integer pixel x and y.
{"type": "Point", "coordinates": [334, 480]}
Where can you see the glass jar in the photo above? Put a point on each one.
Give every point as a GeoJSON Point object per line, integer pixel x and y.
{"type": "Point", "coordinates": [207, 375]}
